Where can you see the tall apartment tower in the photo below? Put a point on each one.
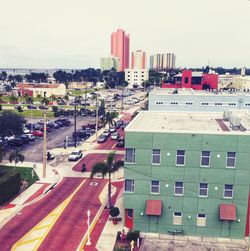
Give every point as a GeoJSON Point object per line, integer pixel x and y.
{"type": "Point", "coordinates": [162, 62]}
{"type": "Point", "coordinates": [138, 60]}
{"type": "Point", "coordinates": [120, 48]}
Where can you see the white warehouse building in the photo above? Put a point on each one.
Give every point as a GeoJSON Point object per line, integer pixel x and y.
{"type": "Point", "coordinates": [191, 100]}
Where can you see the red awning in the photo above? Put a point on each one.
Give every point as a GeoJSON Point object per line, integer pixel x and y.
{"type": "Point", "coordinates": [227, 212]}
{"type": "Point", "coordinates": [154, 207]}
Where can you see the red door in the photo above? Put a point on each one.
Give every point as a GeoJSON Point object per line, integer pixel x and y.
{"type": "Point", "coordinates": [129, 218]}
{"type": "Point", "coordinates": [248, 218]}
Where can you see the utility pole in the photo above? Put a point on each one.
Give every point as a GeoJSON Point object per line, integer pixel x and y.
{"type": "Point", "coordinates": [96, 122]}
{"type": "Point", "coordinates": [44, 144]}
{"type": "Point", "coordinates": [122, 100]}
{"type": "Point", "coordinates": [75, 123]}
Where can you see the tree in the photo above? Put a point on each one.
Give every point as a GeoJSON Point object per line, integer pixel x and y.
{"type": "Point", "coordinates": [29, 100]}
{"type": "Point", "coordinates": [109, 118]}
{"type": "Point", "coordinates": [44, 101]}
{"type": "Point", "coordinates": [39, 96]}
{"type": "Point", "coordinates": [52, 97]}
{"type": "Point", "coordinates": [15, 156]}
{"type": "Point", "coordinates": [145, 84]}
{"type": "Point", "coordinates": [10, 124]}
{"type": "Point", "coordinates": [107, 167]}
{"type": "Point", "coordinates": [1, 153]}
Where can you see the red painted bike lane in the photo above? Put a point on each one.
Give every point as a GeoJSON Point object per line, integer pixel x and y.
{"type": "Point", "coordinates": [97, 231]}
{"type": "Point", "coordinates": [71, 226]}
{"type": "Point", "coordinates": [33, 214]}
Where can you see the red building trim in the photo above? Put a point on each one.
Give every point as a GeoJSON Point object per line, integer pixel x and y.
{"type": "Point", "coordinates": [248, 218]}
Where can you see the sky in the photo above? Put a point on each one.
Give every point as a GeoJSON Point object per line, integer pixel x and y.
{"type": "Point", "coordinates": [76, 33]}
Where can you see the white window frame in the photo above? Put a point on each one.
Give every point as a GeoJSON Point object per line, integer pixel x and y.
{"type": "Point", "coordinates": [224, 190]}
{"type": "Point", "coordinates": [132, 186]}
{"type": "Point", "coordinates": [159, 187]}
{"type": "Point", "coordinates": [177, 194]}
{"type": "Point", "coordinates": [177, 218]}
{"type": "Point", "coordinates": [204, 218]}
{"type": "Point", "coordinates": [199, 189]}
{"type": "Point", "coordinates": [180, 156]}
{"type": "Point", "coordinates": [231, 158]}
{"type": "Point", "coordinates": [209, 158]}
{"type": "Point", "coordinates": [132, 155]}
{"type": "Point", "coordinates": [153, 154]}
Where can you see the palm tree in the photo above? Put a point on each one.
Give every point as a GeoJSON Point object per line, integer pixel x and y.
{"type": "Point", "coordinates": [52, 98]}
{"type": "Point", "coordinates": [109, 118]}
{"type": "Point", "coordinates": [107, 167]}
{"type": "Point", "coordinates": [16, 156]}
{"type": "Point", "coordinates": [44, 101]}
{"type": "Point", "coordinates": [66, 98]}
{"type": "Point", "coordinates": [39, 96]}
{"type": "Point", "coordinates": [29, 100]}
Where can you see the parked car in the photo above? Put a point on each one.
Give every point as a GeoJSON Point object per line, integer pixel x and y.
{"type": "Point", "coordinates": [112, 129]}
{"type": "Point", "coordinates": [115, 135]}
{"type": "Point", "coordinates": [32, 107]}
{"type": "Point", "coordinates": [120, 142]}
{"type": "Point", "coordinates": [31, 136]}
{"type": "Point", "coordinates": [106, 133]}
{"type": "Point", "coordinates": [59, 123]}
{"type": "Point", "coordinates": [25, 138]}
{"type": "Point", "coordinates": [48, 129]}
{"type": "Point", "coordinates": [16, 142]}
{"type": "Point", "coordinates": [50, 156]}
{"type": "Point", "coordinates": [75, 155]}
{"type": "Point", "coordinates": [42, 107]}
{"type": "Point", "coordinates": [119, 123]}
{"type": "Point", "coordinates": [37, 133]}
{"type": "Point", "coordinates": [102, 138]}
{"type": "Point", "coordinates": [26, 130]}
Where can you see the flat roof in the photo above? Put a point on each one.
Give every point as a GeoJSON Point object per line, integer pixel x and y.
{"type": "Point", "coordinates": [183, 91]}
{"type": "Point", "coordinates": [188, 122]}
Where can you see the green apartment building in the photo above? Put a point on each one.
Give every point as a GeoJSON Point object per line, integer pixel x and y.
{"type": "Point", "coordinates": [188, 172]}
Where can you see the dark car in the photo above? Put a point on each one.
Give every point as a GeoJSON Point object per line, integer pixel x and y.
{"type": "Point", "coordinates": [16, 142]}
{"type": "Point", "coordinates": [120, 142]}
{"type": "Point", "coordinates": [81, 134]}
{"type": "Point", "coordinates": [59, 123]}
{"type": "Point", "coordinates": [42, 107]}
{"type": "Point", "coordinates": [32, 107]}
{"type": "Point", "coordinates": [25, 138]}
{"type": "Point", "coordinates": [119, 123]}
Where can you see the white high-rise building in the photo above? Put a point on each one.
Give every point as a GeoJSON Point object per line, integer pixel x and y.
{"type": "Point", "coordinates": [162, 62]}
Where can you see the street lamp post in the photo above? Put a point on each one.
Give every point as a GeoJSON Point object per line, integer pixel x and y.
{"type": "Point", "coordinates": [88, 222]}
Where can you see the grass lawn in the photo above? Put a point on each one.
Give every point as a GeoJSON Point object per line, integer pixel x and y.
{"type": "Point", "coordinates": [80, 92]}
{"type": "Point", "coordinates": [34, 113]}
{"type": "Point", "coordinates": [26, 173]}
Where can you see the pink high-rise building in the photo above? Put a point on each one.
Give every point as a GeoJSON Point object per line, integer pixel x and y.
{"type": "Point", "coordinates": [120, 48]}
{"type": "Point", "coordinates": [138, 60]}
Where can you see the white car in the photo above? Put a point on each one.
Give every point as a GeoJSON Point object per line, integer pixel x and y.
{"type": "Point", "coordinates": [75, 155]}
{"type": "Point", "coordinates": [26, 130]}
{"type": "Point", "coordinates": [115, 135]}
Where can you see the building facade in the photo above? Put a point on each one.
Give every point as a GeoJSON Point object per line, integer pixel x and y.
{"type": "Point", "coordinates": [187, 172]}
{"type": "Point", "coordinates": [135, 77]}
{"type": "Point", "coordinates": [161, 99]}
{"type": "Point", "coordinates": [138, 60]}
{"type": "Point", "coordinates": [45, 90]}
{"type": "Point", "coordinates": [194, 80]}
{"type": "Point", "coordinates": [162, 62]}
{"type": "Point", "coordinates": [120, 48]}
{"type": "Point", "coordinates": [108, 63]}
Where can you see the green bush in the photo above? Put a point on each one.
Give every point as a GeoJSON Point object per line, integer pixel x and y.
{"type": "Point", "coordinates": [9, 186]}
{"type": "Point", "coordinates": [133, 235]}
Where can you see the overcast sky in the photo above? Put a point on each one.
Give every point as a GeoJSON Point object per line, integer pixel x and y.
{"type": "Point", "coordinates": [76, 33]}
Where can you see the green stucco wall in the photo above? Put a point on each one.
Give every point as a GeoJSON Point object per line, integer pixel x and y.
{"type": "Point", "coordinates": [191, 174]}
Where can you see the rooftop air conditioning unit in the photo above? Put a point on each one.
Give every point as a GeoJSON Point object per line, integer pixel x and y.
{"type": "Point", "coordinates": [227, 115]}
{"type": "Point", "coordinates": [235, 122]}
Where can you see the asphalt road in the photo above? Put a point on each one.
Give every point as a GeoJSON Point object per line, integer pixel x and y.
{"type": "Point", "coordinates": [33, 151]}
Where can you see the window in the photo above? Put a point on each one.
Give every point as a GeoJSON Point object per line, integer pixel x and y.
{"type": "Point", "coordinates": [201, 220]}
{"type": "Point", "coordinates": [203, 190]}
{"type": "Point", "coordinates": [205, 158]}
{"type": "Point", "coordinates": [130, 155]}
{"type": "Point", "coordinates": [186, 80]}
{"type": "Point", "coordinates": [130, 213]}
{"type": "Point", "coordinates": [155, 186]}
{"type": "Point", "coordinates": [231, 159]}
{"type": "Point", "coordinates": [228, 191]}
{"type": "Point", "coordinates": [129, 186]}
{"type": "Point", "coordinates": [156, 157]}
{"type": "Point", "coordinates": [180, 157]}
{"type": "Point", "coordinates": [178, 188]}
{"type": "Point", "coordinates": [177, 218]}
